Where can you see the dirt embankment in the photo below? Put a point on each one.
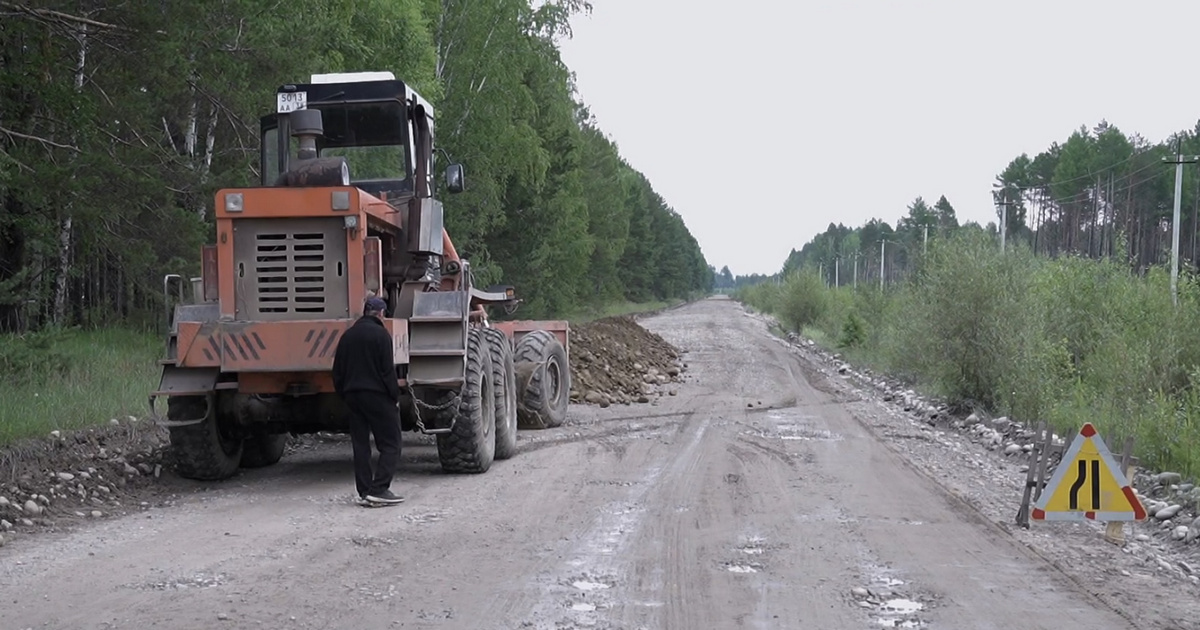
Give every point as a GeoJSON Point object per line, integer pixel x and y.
{"type": "Point", "coordinates": [89, 474]}
{"type": "Point", "coordinates": [616, 361]}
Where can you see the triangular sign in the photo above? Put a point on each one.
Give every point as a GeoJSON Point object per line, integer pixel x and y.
{"type": "Point", "coordinates": [1088, 485]}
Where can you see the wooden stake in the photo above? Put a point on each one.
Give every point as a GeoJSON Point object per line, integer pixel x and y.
{"type": "Point", "coordinates": [1030, 482]}
{"type": "Point", "coordinates": [1114, 532]}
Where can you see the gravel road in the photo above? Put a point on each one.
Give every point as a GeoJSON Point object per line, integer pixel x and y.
{"type": "Point", "coordinates": [758, 497]}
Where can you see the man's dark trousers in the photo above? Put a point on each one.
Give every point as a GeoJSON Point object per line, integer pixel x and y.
{"type": "Point", "coordinates": [373, 413]}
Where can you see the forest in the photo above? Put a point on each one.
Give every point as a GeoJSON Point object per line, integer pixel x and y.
{"type": "Point", "coordinates": [1098, 194]}
{"type": "Point", "coordinates": [119, 121]}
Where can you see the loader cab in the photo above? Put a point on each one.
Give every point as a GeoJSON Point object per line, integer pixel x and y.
{"type": "Point", "coordinates": [380, 125]}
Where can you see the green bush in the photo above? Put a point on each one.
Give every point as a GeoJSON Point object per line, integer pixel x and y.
{"type": "Point", "coordinates": [802, 301]}
{"type": "Point", "coordinates": [854, 332]}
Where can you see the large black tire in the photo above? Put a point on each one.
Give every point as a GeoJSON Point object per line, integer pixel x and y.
{"type": "Point", "coordinates": [202, 451]}
{"type": "Point", "coordinates": [504, 382]}
{"type": "Point", "coordinates": [541, 363]}
{"type": "Point", "coordinates": [471, 446]}
{"type": "Point", "coordinates": [263, 450]}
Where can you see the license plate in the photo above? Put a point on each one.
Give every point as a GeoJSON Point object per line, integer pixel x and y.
{"type": "Point", "coordinates": [291, 101]}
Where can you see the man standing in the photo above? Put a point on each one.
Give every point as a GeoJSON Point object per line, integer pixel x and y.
{"type": "Point", "coordinates": [364, 375]}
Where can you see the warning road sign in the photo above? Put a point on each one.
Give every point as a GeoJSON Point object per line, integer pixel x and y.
{"type": "Point", "coordinates": [1088, 485]}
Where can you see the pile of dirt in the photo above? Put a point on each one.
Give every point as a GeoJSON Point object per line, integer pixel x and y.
{"type": "Point", "coordinates": [616, 361]}
{"type": "Point", "coordinates": [85, 474]}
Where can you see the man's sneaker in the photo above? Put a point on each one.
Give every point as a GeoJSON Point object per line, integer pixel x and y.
{"type": "Point", "coordinates": [383, 498]}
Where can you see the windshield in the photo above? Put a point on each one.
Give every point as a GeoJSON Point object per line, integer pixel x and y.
{"type": "Point", "coordinates": [373, 137]}
{"type": "Point", "coordinates": [366, 163]}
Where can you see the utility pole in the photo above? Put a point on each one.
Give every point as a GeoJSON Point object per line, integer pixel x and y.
{"type": "Point", "coordinates": [856, 269]}
{"type": "Point", "coordinates": [881, 264]}
{"type": "Point", "coordinates": [1178, 161]}
{"type": "Point", "coordinates": [837, 281]}
{"type": "Point", "coordinates": [1004, 203]}
{"type": "Point", "coordinates": [925, 242]}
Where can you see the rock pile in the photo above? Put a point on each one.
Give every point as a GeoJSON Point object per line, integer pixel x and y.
{"type": "Point", "coordinates": [84, 474]}
{"type": "Point", "coordinates": [616, 361]}
{"type": "Point", "coordinates": [1172, 505]}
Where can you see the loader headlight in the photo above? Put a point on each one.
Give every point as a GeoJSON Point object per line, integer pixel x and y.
{"type": "Point", "coordinates": [234, 202]}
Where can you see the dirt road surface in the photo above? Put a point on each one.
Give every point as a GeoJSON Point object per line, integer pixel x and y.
{"type": "Point", "coordinates": [759, 497]}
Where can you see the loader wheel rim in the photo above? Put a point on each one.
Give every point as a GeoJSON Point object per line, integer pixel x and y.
{"type": "Point", "coordinates": [554, 374]}
{"type": "Point", "coordinates": [488, 405]}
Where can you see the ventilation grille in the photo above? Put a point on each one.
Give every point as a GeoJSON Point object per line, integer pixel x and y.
{"type": "Point", "coordinates": [291, 269]}
{"type": "Point", "coordinates": [291, 272]}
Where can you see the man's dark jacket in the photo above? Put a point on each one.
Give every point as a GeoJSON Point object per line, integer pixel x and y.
{"type": "Point", "coordinates": [364, 360]}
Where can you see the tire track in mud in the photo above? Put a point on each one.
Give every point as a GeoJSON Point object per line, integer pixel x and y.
{"type": "Point", "coordinates": [578, 591]}
{"type": "Point", "coordinates": [593, 584]}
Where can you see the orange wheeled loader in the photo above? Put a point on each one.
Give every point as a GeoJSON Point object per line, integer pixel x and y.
{"type": "Point", "coordinates": [346, 210]}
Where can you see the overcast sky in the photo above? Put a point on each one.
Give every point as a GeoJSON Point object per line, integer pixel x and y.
{"type": "Point", "coordinates": [762, 121]}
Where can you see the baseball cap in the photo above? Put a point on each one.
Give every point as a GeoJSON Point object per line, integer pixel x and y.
{"type": "Point", "coordinates": [376, 305]}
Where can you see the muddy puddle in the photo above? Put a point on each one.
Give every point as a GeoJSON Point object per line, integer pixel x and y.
{"type": "Point", "coordinates": [891, 602]}
{"type": "Point", "coordinates": [792, 425]}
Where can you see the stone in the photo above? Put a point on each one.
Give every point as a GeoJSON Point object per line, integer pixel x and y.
{"type": "Point", "coordinates": [860, 592]}
{"type": "Point", "coordinates": [103, 489]}
{"type": "Point", "coordinates": [1193, 530]}
{"type": "Point", "coordinates": [222, 617]}
{"type": "Point", "coordinates": [643, 399]}
{"type": "Point", "coordinates": [56, 434]}
{"type": "Point", "coordinates": [1168, 478]}
{"type": "Point", "coordinates": [32, 508]}
{"type": "Point", "coordinates": [1180, 532]}
{"type": "Point", "coordinates": [4, 502]}
{"type": "Point", "coordinates": [593, 397]}
{"type": "Point", "coordinates": [673, 371]}
{"type": "Point", "coordinates": [66, 476]}
{"type": "Point", "coordinates": [1012, 449]}
{"type": "Point", "coordinates": [1168, 512]}
{"type": "Point", "coordinates": [5, 525]}
{"type": "Point", "coordinates": [27, 522]}
{"type": "Point", "coordinates": [130, 471]}
{"type": "Point", "coordinates": [97, 514]}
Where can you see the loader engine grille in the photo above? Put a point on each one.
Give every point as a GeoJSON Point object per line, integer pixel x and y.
{"type": "Point", "coordinates": [289, 269]}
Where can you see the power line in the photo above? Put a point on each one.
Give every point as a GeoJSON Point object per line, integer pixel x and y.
{"type": "Point", "coordinates": [1089, 176]}
{"type": "Point", "coordinates": [1082, 195]}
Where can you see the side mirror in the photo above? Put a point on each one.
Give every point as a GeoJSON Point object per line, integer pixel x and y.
{"type": "Point", "coordinates": [454, 178]}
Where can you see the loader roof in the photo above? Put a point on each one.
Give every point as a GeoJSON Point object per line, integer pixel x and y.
{"type": "Point", "coordinates": [352, 90]}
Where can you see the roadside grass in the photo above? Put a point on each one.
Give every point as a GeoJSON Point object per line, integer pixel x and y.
{"type": "Point", "coordinates": [73, 379]}
{"type": "Point", "coordinates": [1068, 341]}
